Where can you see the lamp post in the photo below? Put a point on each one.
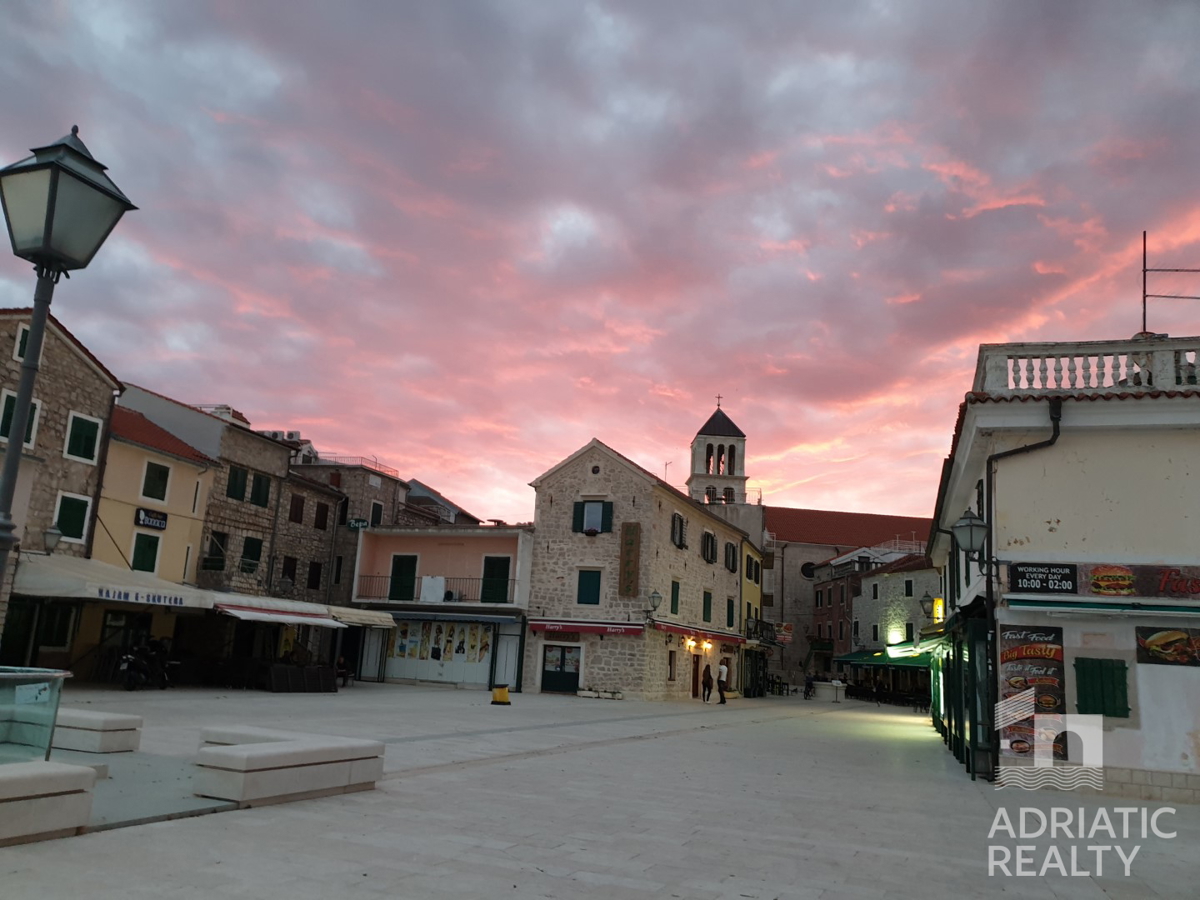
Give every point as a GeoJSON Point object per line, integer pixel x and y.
{"type": "Point", "coordinates": [59, 207]}
{"type": "Point", "coordinates": [927, 605]}
{"type": "Point", "coordinates": [655, 603]}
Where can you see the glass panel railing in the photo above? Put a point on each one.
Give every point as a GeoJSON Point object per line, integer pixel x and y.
{"type": "Point", "coordinates": [28, 707]}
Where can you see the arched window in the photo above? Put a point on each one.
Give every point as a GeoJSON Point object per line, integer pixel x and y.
{"type": "Point", "coordinates": [708, 460]}
{"type": "Point", "coordinates": [732, 465]}
{"type": "Point", "coordinates": [721, 459]}
{"type": "Point", "coordinates": [710, 494]}
{"type": "Point", "coordinates": [728, 495]}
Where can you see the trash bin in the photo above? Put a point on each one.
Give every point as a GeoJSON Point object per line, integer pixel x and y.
{"type": "Point", "coordinates": [500, 695]}
{"type": "Point", "coordinates": [28, 710]}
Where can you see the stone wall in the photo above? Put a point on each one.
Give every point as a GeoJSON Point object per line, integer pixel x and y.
{"type": "Point", "coordinates": [892, 610]}
{"type": "Point", "coordinates": [304, 542]}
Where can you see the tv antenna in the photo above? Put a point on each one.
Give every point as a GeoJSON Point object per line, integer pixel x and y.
{"type": "Point", "coordinates": [1145, 295]}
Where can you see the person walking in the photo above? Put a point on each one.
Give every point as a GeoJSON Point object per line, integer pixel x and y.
{"type": "Point", "coordinates": [722, 680]}
{"type": "Point", "coordinates": [706, 682]}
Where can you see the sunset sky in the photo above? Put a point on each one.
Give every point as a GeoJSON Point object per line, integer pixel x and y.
{"type": "Point", "coordinates": [467, 237]}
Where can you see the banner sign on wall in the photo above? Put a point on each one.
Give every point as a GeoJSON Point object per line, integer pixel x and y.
{"type": "Point", "coordinates": [631, 557]}
{"type": "Point", "coordinates": [1031, 658]}
{"type": "Point", "coordinates": [1105, 580]}
{"type": "Point", "coordinates": [1164, 646]}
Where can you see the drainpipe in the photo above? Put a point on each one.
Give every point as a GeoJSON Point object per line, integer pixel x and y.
{"type": "Point", "coordinates": [990, 597]}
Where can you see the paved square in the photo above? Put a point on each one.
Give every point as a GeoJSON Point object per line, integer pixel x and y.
{"type": "Point", "coordinates": [571, 798]}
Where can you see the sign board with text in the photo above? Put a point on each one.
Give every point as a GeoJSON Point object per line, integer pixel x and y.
{"type": "Point", "coordinates": [358, 524]}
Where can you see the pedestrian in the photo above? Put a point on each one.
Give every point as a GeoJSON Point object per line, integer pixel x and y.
{"type": "Point", "coordinates": [722, 680]}
{"type": "Point", "coordinates": [878, 691]}
{"type": "Point", "coordinates": [706, 682]}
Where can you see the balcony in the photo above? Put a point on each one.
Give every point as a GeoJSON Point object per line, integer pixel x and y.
{"type": "Point", "coordinates": [1088, 367]}
{"type": "Point", "coordinates": [364, 461]}
{"type": "Point", "coordinates": [385, 589]}
{"type": "Point", "coordinates": [760, 630]}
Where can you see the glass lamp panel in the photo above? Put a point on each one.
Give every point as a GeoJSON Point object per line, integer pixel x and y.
{"type": "Point", "coordinates": [83, 217]}
{"type": "Point", "coordinates": [25, 197]}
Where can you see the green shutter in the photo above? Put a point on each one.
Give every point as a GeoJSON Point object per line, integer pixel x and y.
{"type": "Point", "coordinates": [72, 517]}
{"type": "Point", "coordinates": [260, 490]}
{"type": "Point", "coordinates": [675, 597]}
{"type": "Point", "coordinates": [145, 552]}
{"type": "Point", "coordinates": [707, 606]}
{"type": "Point", "coordinates": [154, 485]}
{"type": "Point", "coordinates": [606, 516]}
{"type": "Point", "coordinates": [589, 587]}
{"type": "Point", "coordinates": [729, 612]}
{"type": "Point", "coordinates": [251, 554]}
{"type": "Point", "coordinates": [1116, 688]}
{"type": "Point", "coordinates": [81, 442]}
{"type": "Point", "coordinates": [577, 521]}
{"type": "Point", "coordinates": [23, 344]}
{"type": "Point", "coordinates": [6, 417]}
{"type": "Point", "coordinates": [237, 483]}
{"type": "Point", "coordinates": [1102, 687]}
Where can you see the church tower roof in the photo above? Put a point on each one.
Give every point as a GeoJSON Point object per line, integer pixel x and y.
{"type": "Point", "coordinates": [720, 425]}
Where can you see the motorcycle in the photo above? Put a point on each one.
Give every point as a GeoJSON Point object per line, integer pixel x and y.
{"type": "Point", "coordinates": [146, 665]}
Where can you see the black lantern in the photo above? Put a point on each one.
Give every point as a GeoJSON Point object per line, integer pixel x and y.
{"type": "Point", "coordinates": [655, 600]}
{"type": "Point", "coordinates": [927, 605]}
{"type": "Point", "coordinates": [59, 205]}
{"type": "Point", "coordinates": [970, 532]}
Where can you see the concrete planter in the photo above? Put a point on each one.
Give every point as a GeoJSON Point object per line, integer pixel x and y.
{"type": "Point", "coordinates": [585, 694]}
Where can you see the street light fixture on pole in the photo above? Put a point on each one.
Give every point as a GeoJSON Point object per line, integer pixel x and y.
{"type": "Point", "coordinates": [59, 207]}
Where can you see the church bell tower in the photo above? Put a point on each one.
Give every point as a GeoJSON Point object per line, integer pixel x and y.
{"type": "Point", "coordinates": [718, 461]}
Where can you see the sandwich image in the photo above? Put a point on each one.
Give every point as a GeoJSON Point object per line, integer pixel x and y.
{"type": "Point", "coordinates": [1112, 581]}
{"type": "Point", "coordinates": [1169, 646]}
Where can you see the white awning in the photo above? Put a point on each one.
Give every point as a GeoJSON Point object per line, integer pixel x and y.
{"type": "Point", "coordinates": [274, 609]}
{"type": "Point", "coordinates": [368, 618]}
{"type": "Point", "coordinates": [75, 578]}
{"type": "Point", "coordinates": [278, 618]}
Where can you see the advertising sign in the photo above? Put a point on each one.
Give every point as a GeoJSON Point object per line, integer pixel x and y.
{"type": "Point", "coordinates": [1164, 646]}
{"type": "Point", "coordinates": [631, 555]}
{"type": "Point", "coordinates": [1031, 657]}
{"type": "Point", "coordinates": [150, 518]}
{"type": "Point", "coordinates": [1105, 580]}
{"type": "Point", "coordinates": [784, 632]}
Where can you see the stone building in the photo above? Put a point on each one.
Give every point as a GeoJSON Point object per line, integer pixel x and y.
{"type": "Point", "coordinates": [609, 536]}
{"type": "Point", "coordinates": [59, 481]}
{"type": "Point", "coordinates": [305, 564]}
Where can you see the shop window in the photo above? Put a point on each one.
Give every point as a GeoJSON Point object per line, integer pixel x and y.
{"type": "Point", "coordinates": [314, 576]}
{"type": "Point", "coordinates": [155, 480]}
{"type": "Point", "coordinates": [6, 417]}
{"type": "Point", "coordinates": [1102, 687]}
{"type": "Point", "coordinates": [236, 487]}
{"type": "Point", "coordinates": [708, 606]}
{"type": "Point", "coordinates": [589, 587]}
{"type": "Point", "coordinates": [321, 517]}
{"type": "Point", "coordinates": [71, 517]}
{"type": "Point", "coordinates": [145, 552]}
{"type": "Point", "coordinates": [251, 555]}
{"type": "Point", "coordinates": [296, 510]}
{"type": "Point", "coordinates": [592, 516]}
{"type": "Point", "coordinates": [57, 626]}
{"type": "Point", "coordinates": [260, 490]}
{"type": "Point", "coordinates": [83, 438]}
{"type": "Point", "coordinates": [675, 598]}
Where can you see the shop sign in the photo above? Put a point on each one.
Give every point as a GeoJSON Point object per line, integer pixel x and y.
{"type": "Point", "coordinates": [150, 518]}
{"type": "Point", "coordinates": [784, 632]}
{"type": "Point", "coordinates": [631, 555]}
{"type": "Point", "coordinates": [357, 524]}
{"type": "Point", "coordinates": [119, 595]}
{"type": "Point", "coordinates": [1105, 580]}
{"type": "Point", "coordinates": [1031, 658]}
{"type": "Point", "coordinates": [1159, 645]}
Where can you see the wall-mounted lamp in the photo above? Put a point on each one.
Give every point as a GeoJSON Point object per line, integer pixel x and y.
{"type": "Point", "coordinates": [691, 642]}
{"type": "Point", "coordinates": [970, 532]}
{"type": "Point", "coordinates": [707, 645]}
{"type": "Point", "coordinates": [927, 605]}
{"type": "Point", "coordinates": [670, 640]}
{"type": "Point", "coordinates": [51, 536]}
{"type": "Point", "coordinates": [655, 602]}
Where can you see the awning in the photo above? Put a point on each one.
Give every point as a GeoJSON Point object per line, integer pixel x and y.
{"type": "Point", "coordinates": [414, 616]}
{"type": "Point", "coordinates": [75, 578]}
{"type": "Point", "coordinates": [723, 636]}
{"type": "Point", "coordinates": [275, 610]}
{"type": "Point", "coordinates": [368, 618]}
{"type": "Point", "coordinates": [585, 626]}
{"type": "Point", "coordinates": [881, 659]}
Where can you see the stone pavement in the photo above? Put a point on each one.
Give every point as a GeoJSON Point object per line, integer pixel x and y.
{"type": "Point", "coordinates": [569, 798]}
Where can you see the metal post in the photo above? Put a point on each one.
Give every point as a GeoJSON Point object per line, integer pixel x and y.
{"type": "Point", "coordinates": [20, 420]}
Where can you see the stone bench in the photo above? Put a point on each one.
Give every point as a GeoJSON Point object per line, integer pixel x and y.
{"type": "Point", "coordinates": [96, 732]}
{"type": "Point", "coordinates": [43, 800]}
{"type": "Point", "coordinates": [258, 766]}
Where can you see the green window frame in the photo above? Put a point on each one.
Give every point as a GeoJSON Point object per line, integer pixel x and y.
{"type": "Point", "coordinates": [260, 490]}
{"type": "Point", "coordinates": [22, 341]}
{"type": "Point", "coordinates": [145, 552]}
{"type": "Point", "coordinates": [589, 587]}
{"type": "Point", "coordinates": [592, 515]}
{"type": "Point", "coordinates": [708, 606]}
{"type": "Point", "coordinates": [675, 598]}
{"type": "Point", "coordinates": [729, 612]}
{"type": "Point", "coordinates": [155, 480]}
{"type": "Point", "coordinates": [72, 517]}
{"type": "Point", "coordinates": [236, 488]}
{"type": "Point", "coordinates": [251, 554]}
{"type": "Point", "coordinates": [6, 417]}
{"type": "Point", "coordinates": [83, 438]}
{"type": "Point", "coordinates": [1102, 687]}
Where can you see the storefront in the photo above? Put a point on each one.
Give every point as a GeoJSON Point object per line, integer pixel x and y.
{"type": "Point", "coordinates": [364, 644]}
{"type": "Point", "coordinates": [563, 652]}
{"type": "Point", "coordinates": [477, 651]}
{"type": "Point", "coordinates": [705, 647]}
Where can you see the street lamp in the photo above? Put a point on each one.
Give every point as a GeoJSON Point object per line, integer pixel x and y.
{"type": "Point", "coordinates": [927, 605]}
{"type": "Point", "coordinates": [59, 207]}
{"type": "Point", "coordinates": [655, 603]}
{"type": "Point", "coordinates": [970, 532]}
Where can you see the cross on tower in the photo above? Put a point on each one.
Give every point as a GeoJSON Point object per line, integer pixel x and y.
{"type": "Point", "coordinates": [718, 401]}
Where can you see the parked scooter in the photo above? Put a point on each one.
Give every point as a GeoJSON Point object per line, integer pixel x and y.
{"type": "Point", "coordinates": [135, 669]}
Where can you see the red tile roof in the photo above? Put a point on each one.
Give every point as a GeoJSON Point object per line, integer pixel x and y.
{"type": "Point", "coordinates": [134, 428]}
{"type": "Point", "coordinates": [842, 529]}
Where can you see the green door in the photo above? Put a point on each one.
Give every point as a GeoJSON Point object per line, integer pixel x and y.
{"type": "Point", "coordinates": [495, 579]}
{"type": "Point", "coordinates": [403, 585]}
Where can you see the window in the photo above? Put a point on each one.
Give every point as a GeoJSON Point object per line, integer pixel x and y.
{"type": "Point", "coordinates": [708, 606]}
{"type": "Point", "coordinates": [71, 517]}
{"type": "Point", "coordinates": [908, 587]}
{"type": "Point", "coordinates": [10, 406]}
{"type": "Point", "coordinates": [841, 629]}
{"type": "Point", "coordinates": [83, 438]}
{"type": "Point", "coordinates": [875, 592]}
{"type": "Point", "coordinates": [321, 518]}
{"type": "Point", "coordinates": [1102, 687]}
{"type": "Point", "coordinates": [731, 557]}
{"type": "Point", "coordinates": [670, 665]}
{"type": "Point", "coordinates": [589, 587]}
{"type": "Point", "coordinates": [314, 576]}
{"type": "Point", "coordinates": [710, 494]}
{"type": "Point", "coordinates": [58, 625]}
{"type": "Point", "coordinates": [289, 569]}
{"type": "Point", "coordinates": [154, 482]}
{"type": "Point", "coordinates": [337, 570]}
{"type": "Point", "coordinates": [729, 612]}
{"type": "Point", "coordinates": [592, 516]}
{"type": "Point", "coordinates": [749, 566]}
{"type": "Point", "coordinates": [675, 598]}
{"type": "Point", "coordinates": [854, 630]}
{"type": "Point", "coordinates": [728, 490]}
{"type": "Point", "coordinates": [875, 633]}
{"type": "Point", "coordinates": [296, 511]}
{"type": "Point", "coordinates": [196, 496]}
{"type": "Point", "coordinates": [376, 513]}
{"type": "Point", "coordinates": [708, 547]}
{"type": "Point", "coordinates": [260, 490]}
{"type": "Point", "coordinates": [236, 488]}
{"type": "Point", "coordinates": [908, 631]}
{"type": "Point", "coordinates": [145, 552]}
{"type": "Point", "coordinates": [842, 592]}
{"type": "Point", "coordinates": [22, 342]}
{"type": "Point", "coordinates": [757, 572]}
{"type": "Point", "coordinates": [251, 554]}
{"type": "Point", "coordinates": [678, 530]}
{"type": "Point", "coordinates": [343, 511]}
{"type": "Point", "coordinates": [187, 562]}
{"type": "Point", "coordinates": [335, 479]}
{"type": "Point", "coordinates": [215, 560]}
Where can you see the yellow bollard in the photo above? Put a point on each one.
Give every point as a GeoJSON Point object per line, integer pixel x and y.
{"type": "Point", "coordinates": [500, 695]}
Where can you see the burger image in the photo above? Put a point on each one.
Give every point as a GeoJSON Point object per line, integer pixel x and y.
{"type": "Point", "coordinates": [1112, 581]}
{"type": "Point", "coordinates": [1169, 646]}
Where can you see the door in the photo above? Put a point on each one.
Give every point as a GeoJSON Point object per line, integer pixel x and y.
{"type": "Point", "coordinates": [402, 588]}
{"type": "Point", "coordinates": [495, 579]}
{"type": "Point", "coordinates": [695, 676]}
{"type": "Point", "coordinates": [372, 653]}
{"type": "Point", "coordinates": [560, 668]}
{"type": "Point", "coordinates": [508, 648]}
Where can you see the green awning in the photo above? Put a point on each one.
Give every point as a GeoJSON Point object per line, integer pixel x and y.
{"type": "Point", "coordinates": [880, 658]}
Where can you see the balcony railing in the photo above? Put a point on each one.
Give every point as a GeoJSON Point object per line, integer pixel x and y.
{"type": "Point", "coordinates": [1088, 366]}
{"type": "Point", "coordinates": [364, 461]}
{"type": "Point", "coordinates": [760, 630]}
{"type": "Point", "coordinates": [385, 589]}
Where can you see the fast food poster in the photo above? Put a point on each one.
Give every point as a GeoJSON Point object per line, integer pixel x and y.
{"type": "Point", "coordinates": [426, 634]}
{"type": "Point", "coordinates": [1031, 657]}
{"type": "Point", "coordinates": [1164, 646]}
{"type": "Point", "coordinates": [402, 639]}
{"type": "Point", "coordinates": [1106, 580]}
{"type": "Point", "coordinates": [473, 643]}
